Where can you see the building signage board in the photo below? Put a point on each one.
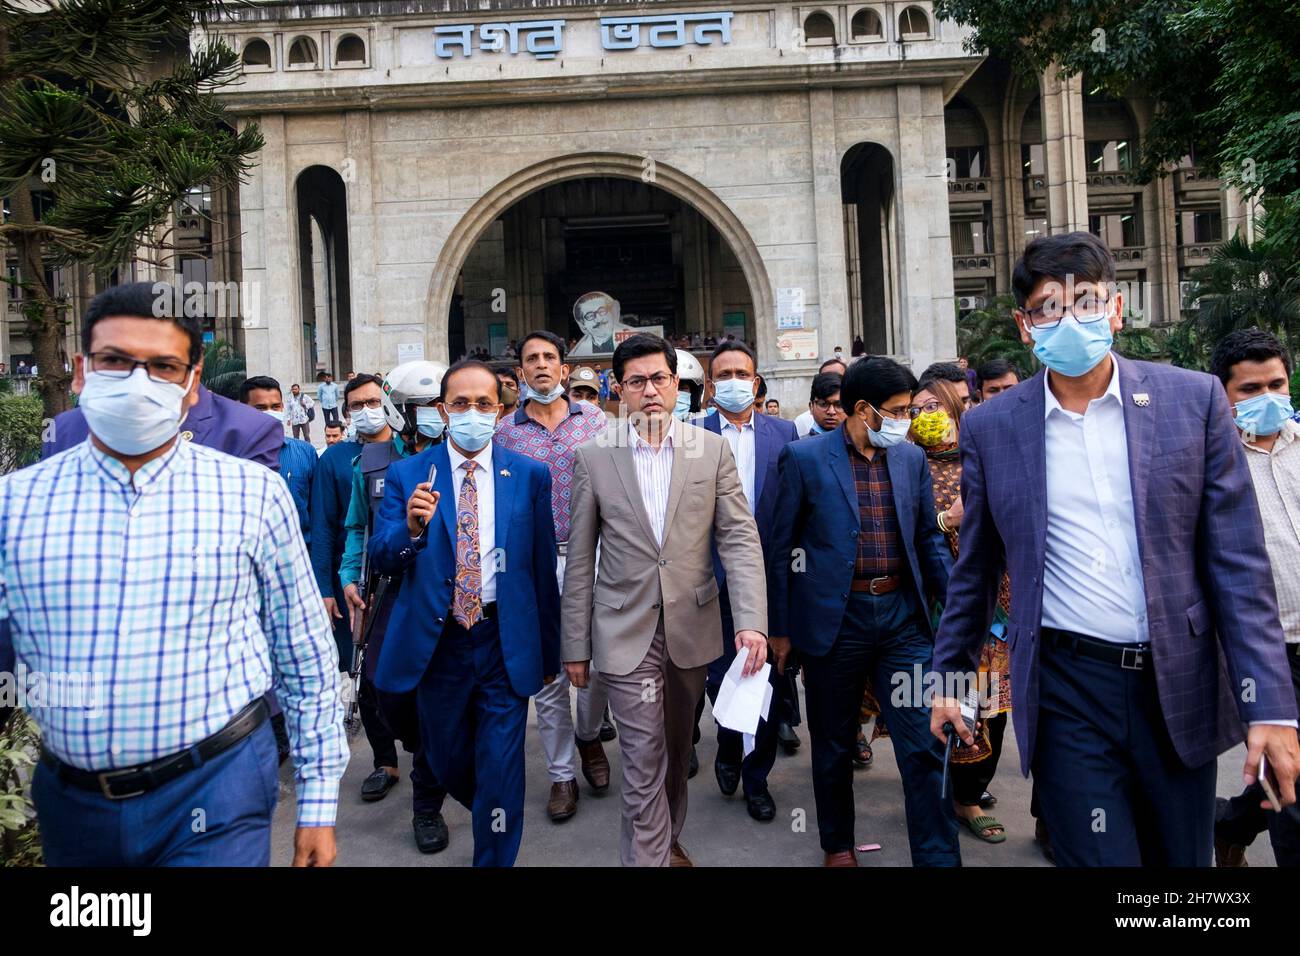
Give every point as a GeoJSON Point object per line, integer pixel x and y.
{"type": "Point", "coordinates": [544, 39]}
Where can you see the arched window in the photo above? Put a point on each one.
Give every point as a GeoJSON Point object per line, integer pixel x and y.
{"type": "Point", "coordinates": [302, 52]}
{"type": "Point", "coordinates": [913, 24]}
{"type": "Point", "coordinates": [819, 30]}
{"type": "Point", "coordinates": [257, 54]}
{"type": "Point", "coordinates": [866, 25]}
{"type": "Point", "coordinates": [351, 50]}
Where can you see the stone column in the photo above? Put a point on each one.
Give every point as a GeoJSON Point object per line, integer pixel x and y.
{"type": "Point", "coordinates": [1067, 182]}
{"type": "Point", "coordinates": [269, 302]}
{"type": "Point", "coordinates": [363, 247]}
{"type": "Point", "coordinates": [828, 209]}
{"type": "Point", "coordinates": [928, 320]}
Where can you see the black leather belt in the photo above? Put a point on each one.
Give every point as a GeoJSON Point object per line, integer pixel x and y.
{"type": "Point", "coordinates": [133, 781]}
{"type": "Point", "coordinates": [490, 611]}
{"type": "Point", "coordinates": [1130, 657]}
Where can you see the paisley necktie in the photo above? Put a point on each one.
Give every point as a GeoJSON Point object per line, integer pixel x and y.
{"type": "Point", "coordinates": [467, 598]}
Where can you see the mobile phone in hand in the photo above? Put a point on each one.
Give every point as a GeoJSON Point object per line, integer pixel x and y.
{"type": "Point", "coordinates": [433, 473]}
{"type": "Point", "coordinates": [1268, 783]}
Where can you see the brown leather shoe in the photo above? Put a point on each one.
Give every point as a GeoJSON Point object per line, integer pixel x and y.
{"type": "Point", "coordinates": [564, 800]}
{"type": "Point", "coordinates": [677, 856]}
{"type": "Point", "coordinates": [843, 858]}
{"type": "Point", "coordinates": [595, 765]}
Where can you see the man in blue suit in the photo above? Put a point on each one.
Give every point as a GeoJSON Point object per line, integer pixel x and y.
{"type": "Point", "coordinates": [297, 458]}
{"type": "Point", "coordinates": [1117, 496]}
{"type": "Point", "coordinates": [756, 442]}
{"type": "Point", "coordinates": [476, 627]}
{"type": "Point", "coordinates": [210, 420]}
{"type": "Point", "coordinates": [854, 558]}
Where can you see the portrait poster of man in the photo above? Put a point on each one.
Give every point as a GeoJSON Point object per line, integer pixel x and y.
{"type": "Point", "coordinates": [597, 315]}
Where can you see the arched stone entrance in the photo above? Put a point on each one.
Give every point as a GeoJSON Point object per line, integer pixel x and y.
{"type": "Point", "coordinates": [499, 198]}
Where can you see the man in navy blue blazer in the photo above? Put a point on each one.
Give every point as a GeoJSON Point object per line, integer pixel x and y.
{"type": "Point", "coordinates": [476, 627]}
{"type": "Point", "coordinates": [756, 441]}
{"type": "Point", "coordinates": [855, 557]}
{"type": "Point", "coordinates": [1117, 496]}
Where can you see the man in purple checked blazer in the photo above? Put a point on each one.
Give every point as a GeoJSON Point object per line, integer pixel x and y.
{"type": "Point", "coordinates": [1144, 624]}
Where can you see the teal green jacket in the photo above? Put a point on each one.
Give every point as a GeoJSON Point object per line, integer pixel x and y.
{"type": "Point", "coordinates": [358, 518]}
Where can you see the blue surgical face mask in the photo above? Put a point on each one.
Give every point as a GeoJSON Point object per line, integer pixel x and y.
{"type": "Point", "coordinates": [1072, 349]}
{"type": "Point", "coordinates": [545, 398]}
{"type": "Point", "coordinates": [135, 414]}
{"type": "Point", "coordinates": [683, 406]}
{"type": "Point", "coordinates": [1264, 414]}
{"type": "Point", "coordinates": [734, 394]}
{"type": "Point", "coordinates": [892, 431]}
{"type": "Point", "coordinates": [471, 429]}
{"type": "Point", "coordinates": [428, 422]}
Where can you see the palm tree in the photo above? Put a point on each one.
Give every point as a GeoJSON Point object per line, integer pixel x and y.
{"type": "Point", "coordinates": [224, 369]}
{"type": "Point", "coordinates": [1246, 285]}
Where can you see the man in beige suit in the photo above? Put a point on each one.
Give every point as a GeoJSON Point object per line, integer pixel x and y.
{"type": "Point", "coordinates": [656, 493]}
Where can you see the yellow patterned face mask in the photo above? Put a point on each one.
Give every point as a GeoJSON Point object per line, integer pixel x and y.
{"type": "Point", "coordinates": [932, 428]}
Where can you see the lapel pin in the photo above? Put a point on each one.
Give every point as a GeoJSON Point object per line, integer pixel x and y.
{"type": "Point", "coordinates": [187, 436]}
{"type": "Point", "coordinates": [1141, 399]}
{"type": "Point", "coordinates": [505, 472]}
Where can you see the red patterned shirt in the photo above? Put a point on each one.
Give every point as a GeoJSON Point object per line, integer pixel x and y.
{"type": "Point", "coordinates": [555, 449]}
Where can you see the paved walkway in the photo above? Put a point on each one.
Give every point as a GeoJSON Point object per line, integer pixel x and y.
{"type": "Point", "coordinates": [718, 830]}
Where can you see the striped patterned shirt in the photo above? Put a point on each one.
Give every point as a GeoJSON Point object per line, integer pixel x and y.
{"type": "Point", "coordinates": [1277, 487]}
{"type": "Point", "coordinates": [654, 473]}
{"type": "Point", "coordinates": [175, 598]}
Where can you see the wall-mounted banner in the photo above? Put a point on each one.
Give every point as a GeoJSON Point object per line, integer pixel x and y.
{"type": "Point", "coordinates": [544, 39]}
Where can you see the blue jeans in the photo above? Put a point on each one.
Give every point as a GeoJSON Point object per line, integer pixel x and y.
{"type": "Point", "coordinates": [218, 814]}
{"type": "Point", "coordinates": [879, 637]}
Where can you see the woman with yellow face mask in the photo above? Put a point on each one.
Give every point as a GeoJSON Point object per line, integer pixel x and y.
{"type": "Point", "coordinates": [936, 411]}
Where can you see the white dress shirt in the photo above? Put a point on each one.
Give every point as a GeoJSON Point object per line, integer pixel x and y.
{"type": "Point", "coordinates": [1092, 578]}
{"type": "Point", "coordinates": [654, 473]}
{"type": "Point", "coordinates": [485, 485]}
{"type": "Point", "coordinates": [803, 423]}
{"type": "Point", "coordinates": [741, 439]}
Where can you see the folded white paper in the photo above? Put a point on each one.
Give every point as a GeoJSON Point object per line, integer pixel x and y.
{"type": "Point", "coordinates": [742, 701]}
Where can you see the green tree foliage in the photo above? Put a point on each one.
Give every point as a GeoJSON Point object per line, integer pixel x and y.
{"type": "Point", "coordinates": [20, 431]}
{"type": "Point", "coordinates": [1224, 76]}
{"type": "Point", "coordinates": [20, 842]}
{"type": "Point", "coordinates": [107, 118]}
{"type": "Point", "coordinates": [1243, 285]}
{"type": "Point", "coordinates": [991, 333]}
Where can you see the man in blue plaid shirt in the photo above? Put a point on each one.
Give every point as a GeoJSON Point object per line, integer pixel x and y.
{"type": "Point", "coordinates": [164, 587]}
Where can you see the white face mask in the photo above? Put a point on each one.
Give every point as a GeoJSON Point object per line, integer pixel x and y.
{"type": "Point", "coordinates": [135, 414]}
{"type": "Point", "coordinates": [545, 398]}
{"type": "Point", "coordinates": [892, 432]}
{"type": "Point", "coordinates": [278, 416]}
{"type": "Point", "coordinates": [370, 421]}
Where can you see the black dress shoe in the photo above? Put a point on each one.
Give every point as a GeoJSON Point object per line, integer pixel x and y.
{"type": "Point", "coordinates": [728, 777]}
{"type": "Point", "coordinates": [695, 764]}
{"type": "Point", "coordinates": [431, 834]}
{"type": "Point", "coordinates": [376, 786]}
{"type": "Point", "coordinates": [987, 801]}
{"type": "Point", "coordinates": [786, 736]}
{"type": "Point", "coordinates": [761, 806]}
{"type": "Point", "coordinates": [607, 731]}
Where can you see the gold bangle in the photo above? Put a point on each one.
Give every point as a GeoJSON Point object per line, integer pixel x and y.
{"type": "Point", "coordinates": [939, 520]}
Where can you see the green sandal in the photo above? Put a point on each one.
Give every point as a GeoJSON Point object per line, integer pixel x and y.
{"type": "Point", "coordinates": [983, 827]}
